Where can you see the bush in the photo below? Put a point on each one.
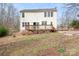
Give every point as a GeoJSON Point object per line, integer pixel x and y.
{"type": "Point", "coordinates": [3, 31]}
{"type": "Point", "coordinates": [75, 24]}
{"type": "Point", "coordinates": [61, 50]}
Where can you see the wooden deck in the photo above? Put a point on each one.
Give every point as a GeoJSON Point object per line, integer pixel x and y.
{"type": "Point", "coordinates": [40, 28]}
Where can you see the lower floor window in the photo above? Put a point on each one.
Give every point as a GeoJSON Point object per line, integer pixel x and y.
{"type": "Point", "coordinates": [25, 24]}
{"type": "Point", "coordinates": [35, 23]}
{"type": "Point", "coordinates": [51, 23]}
{"type": "Point", "coordinates": [22, 24]}
{"type": "Point", "coordinates": [44, 22]}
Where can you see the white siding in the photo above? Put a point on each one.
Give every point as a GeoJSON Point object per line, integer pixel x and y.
{"type": "Point", "coordinates": [38, 17]}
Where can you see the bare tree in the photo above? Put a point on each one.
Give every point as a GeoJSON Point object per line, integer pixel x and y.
{"type": "Point", "coordinates": [2, 13]}
{"type": "Point", "coordinates": [8, 15]}
{"type": "Point", "coordinates": [70, 13]}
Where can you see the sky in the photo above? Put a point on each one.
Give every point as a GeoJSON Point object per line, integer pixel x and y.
{"type": "Point", "coordinates": [21, 6]}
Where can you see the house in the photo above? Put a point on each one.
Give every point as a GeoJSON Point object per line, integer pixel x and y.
{"type": "Point", "coordinates": [38, 19]}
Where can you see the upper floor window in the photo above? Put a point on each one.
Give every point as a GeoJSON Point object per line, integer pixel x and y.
{"type": "Point", "coordinates": [23, 15]}
{"type": "Point", "coordinates": [48, 14]}
{"type": "Point", "coordinates": [44, 14]}
{"type": "Point", "coordinates": [51, 14]}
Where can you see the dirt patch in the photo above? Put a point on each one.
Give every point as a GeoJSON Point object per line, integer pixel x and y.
{"type": "Point", "coordinates": [49, 52]}
{"type": "Point", "coordinates": [40, 44]}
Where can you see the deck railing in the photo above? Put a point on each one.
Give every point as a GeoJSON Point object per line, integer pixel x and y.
{"type": "Point", "coordinates": [39, 27]}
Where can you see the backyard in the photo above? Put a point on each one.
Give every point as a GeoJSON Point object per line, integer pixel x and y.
{"type": "Point", "coordinates": [46, 44]}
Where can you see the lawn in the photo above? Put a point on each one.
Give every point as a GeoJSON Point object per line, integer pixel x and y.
{"type": "Point", "coordinates": [47, 44]}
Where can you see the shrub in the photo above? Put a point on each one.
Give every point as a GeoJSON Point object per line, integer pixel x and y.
{"type": "Point", "coordinates": [61, 50]}
{"type": "Point", "coordinates": [3, 31]}
{"type": "Point", "coordinates": [75, 24]}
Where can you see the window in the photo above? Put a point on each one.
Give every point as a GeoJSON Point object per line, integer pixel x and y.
{"type": "Point", "coordinates": [23, 24]}
{"type": "Point", "coordinates": [48, 14]}
{"type": "Point", "coordinates": [23, 15]}
{"type": "Point", "coordinates": [51, 14]}
{"type": "Point", "coordinates": [44, 14]}
{"type": "Point", "coordinates": [44, 22]}
{"type": "Point", "coordinates": [35, 23]}
{"type": "Point", "coordinates": [26, 23]}
{"type": "Point", "coordinates": [51, 23]}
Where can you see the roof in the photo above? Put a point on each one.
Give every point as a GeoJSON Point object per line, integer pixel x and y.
{"type": "Point", "coordinates": [38, 10]}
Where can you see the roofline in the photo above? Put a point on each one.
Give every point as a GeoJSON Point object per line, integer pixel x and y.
{"type": "Point", "coordinates": [38, 10]}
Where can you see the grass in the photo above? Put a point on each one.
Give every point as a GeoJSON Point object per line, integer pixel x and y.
{"type": "Point", "coordinates": [34, 44]}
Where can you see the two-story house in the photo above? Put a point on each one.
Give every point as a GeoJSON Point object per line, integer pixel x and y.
{"type": "Point", "coordinates": [38, 19]}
